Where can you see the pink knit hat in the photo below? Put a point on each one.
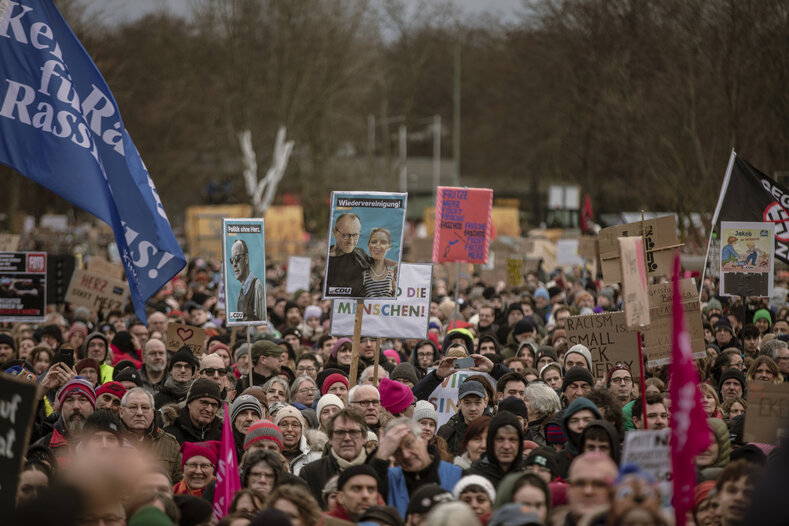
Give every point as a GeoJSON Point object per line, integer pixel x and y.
{"type": "Point", "coordinates": [391, 353]}
{"type": "Point", "coordinates": [395, 397]}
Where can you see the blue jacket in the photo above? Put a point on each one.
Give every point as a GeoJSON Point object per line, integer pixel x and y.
{"type": "Point", "coordinates": [448, 475]}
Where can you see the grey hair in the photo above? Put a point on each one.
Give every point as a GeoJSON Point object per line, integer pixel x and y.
{"type": "Point", "coordinates": [356, 388]}
{"type": "Point", "coordinates": [278, 380]}
{"type": "Point", "coordinates": [544, 400]}
{"type": "Point", "coordinates": [452, 513]}
{"type": "Point", "coordinates": [135, 390]}
{"type": "Point", "coordinates": [294, 388]}
{"type": "Point", "coordinates": [413, 426]}
{"type": "Point", "coordinates": [382, 373]}
{"type": "Point", "coordinates": [771, 348]}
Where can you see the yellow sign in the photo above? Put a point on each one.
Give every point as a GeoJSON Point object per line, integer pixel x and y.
{"type": "Point", "coordinates": [204, 227]}
{"type": "Point", "coordinates": [285, 230]}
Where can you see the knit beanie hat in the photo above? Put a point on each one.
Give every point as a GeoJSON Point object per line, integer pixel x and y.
{"type": "Point", "coordinates": [395, 397]}
{"type": "Point", "coordinates": [86, 363]}
{"type": "Point", "coordinates": [426, 497]}
{"type": "Point", "coordinates": [312, 311]}
{"type": "Point", "coordinates": [514, 405]}
{"type": "Point", "coordinates": [9, 340]}
{"type": "Point", "coordinates": [204, 388]}
{"type": "Point", "coordinates": [263, 430]}
{"type": "Point", "coordinates": [732, 373]}
{"type": "Point", "coordinates": [474, 480]}
{"type": "Point", "coordinates": [337, 345]}
{"type": "Point", "coordinates": [204, 449]}
{"type": "Point", "coordinates": [391, 353]}
{"type": "Point", "coordinates": [406, 371]}
{"type": "Point", "coordinates": [241, 351]}
{"type": "Point", "coordinates": [544, 456]}
{"type": "Point", "coordinates": [130, 374]}
{"type": "Point", "coordinates": [425, 409]}
{"type": "Point", "coordinates": [758, 315]}
{"type": "Point", "coordinates": [327, 400]}
{"type": "Point", "coordinates": [332, 379]}
{"type": "Point", "coordinates": [386, 515]}
{"type": "Point", "coordinates": [702, 492]}
{"type": "Point", "coordinates": [184, 354]}
{"type": "Point", "coordinates": [242, 403]}
{"type": "Point", "coordinates": [576, 374]}
{"type": "Point", "coordinates": [618, 367]}
{"type": "Point", "coordinates": [547, 350]}
{"type": "Point", "coordinates": [523, 325]}
{"type": "Point", "coordinates": [287, 411]}
{"type": "Point", "coordinates": [77, 385]}
{"type": "Point", "coordinates": [114, 388]}
{"type": "Point", "coordinates": [583, 351]}
{"type": "Point", "coordinates": [348, 473]}
{"type": "Point", "coordinates": [212, 361]}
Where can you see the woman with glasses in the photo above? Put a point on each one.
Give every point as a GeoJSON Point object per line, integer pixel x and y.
{"type": "Point", "coordinates": [302, 392]}
{"type": "Point", "coordinates": [198, 465]}
{"type": "Point", "coordinates": [296, 448]}
{"type": "Point", "coordinates": [261, 469]}
{"type": "Point", "coordinates": [379, 279]}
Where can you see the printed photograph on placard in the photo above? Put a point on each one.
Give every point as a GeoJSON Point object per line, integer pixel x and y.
{"type": "Point", "coordinates": [747, 258]}
{"type": "Point", "coordinates": [244, 260]}
{"type": "Point", "coordinates": [365, 245]}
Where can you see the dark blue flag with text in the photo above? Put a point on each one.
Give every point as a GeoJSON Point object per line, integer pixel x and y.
{"type": "Point", "coordinates": [60, 126]}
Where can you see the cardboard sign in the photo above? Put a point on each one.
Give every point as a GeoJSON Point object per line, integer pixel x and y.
{"type": "Point", "coordinates": [23, 286]}
{"type": "Point", "coordinates": [651, 451]}
{"type": "Point", "coordinates": [285, 232]}
{"type": "Point", "coordinates": [506, 221]}
{"type": "Point", "coordinates": [365, 245]}
{"type": "Point", "coordinates": [180, 335]}
{"type": "Point", "coordinates": [587, 247]}
{"type": "Point", "coordinates": [244, 248]}
{"type": "Point", "coordinates": [747, 259]}
{"type": "Point", "coordinates": [18, 401]}
{"type": "Point", "coordinates": [445, 396]}
{"type": "Point", "coordinates": [105, 268]}
{"type": "Point", "coordinates": [634, 283]}
{"type": "Point", "coordinates": [767, 417]}
{"type": "Point", "coordinates": [9, 242]}
{"type": "Point", "coordinates": [660, 239]}
{"type": "Point", "coordinates": [406, 317]}
{"type": "Point", "coordinates": [98, 292]}
{"type": "Point", "coordinates": [607, 338]}
{"type": "Point", "coordinates": [298, 274]}
{"type": "Point", "coordinates": [463, 224]}
{"type": "Point", "coordinates": [514, 271]}
{"type": "Point", "coordinates": [567, 252]}
{"type": "Point", "coordinates": [657, 339]}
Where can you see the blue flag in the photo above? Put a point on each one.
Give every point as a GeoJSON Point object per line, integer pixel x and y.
{"type": "Point", "coordinates": [60, 126]}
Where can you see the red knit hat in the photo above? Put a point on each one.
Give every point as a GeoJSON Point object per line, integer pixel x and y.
{"type": "Point", "coordinates": [395, 397]}
{"type": "Point", "coordinates": [208, 450]}
{"type": "Point", "coordinates": [263, 430]}
{"type": "Point", "coordinates": [333, 379]}
{"type": "Point", "coordinates": [114, 388]}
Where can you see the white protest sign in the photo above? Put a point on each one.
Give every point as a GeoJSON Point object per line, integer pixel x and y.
{"type": "Point", "coordinates": [651, 451]}
{"type": "Point", "coordinates": [298, 274]}
{"type": "Point", "coordinates": [406, 317]}
{"type": "Point", "coordinates": [445, 396]}
{"type": "Point", "coordinates": [567, 252]}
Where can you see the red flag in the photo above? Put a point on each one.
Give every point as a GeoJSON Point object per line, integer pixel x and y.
{"type": "Point", "coordinates": [687, 440]}
{"type": "Point", "coordinates": [227, 479]}
{"type": "Point", "coordinates": [587, 216]}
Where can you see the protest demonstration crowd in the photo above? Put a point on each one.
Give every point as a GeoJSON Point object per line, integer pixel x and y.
{"type": "Point", "coordinates": [154, 388]}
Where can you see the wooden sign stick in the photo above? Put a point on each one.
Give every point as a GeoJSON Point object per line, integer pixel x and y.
{"type": "Point", "coordinates": [377, 361]}
{"type": "Point", "coordinates": [357, 341]}
{"type": "Point", "coordinates": [249, 350]}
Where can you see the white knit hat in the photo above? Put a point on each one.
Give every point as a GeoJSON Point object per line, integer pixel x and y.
{"type": "Point", "coordinates": [425, 409]}
{"type": "Point", "coordinates": [327, 400]}
{"type": "Point", "coordinates": [474, 480]}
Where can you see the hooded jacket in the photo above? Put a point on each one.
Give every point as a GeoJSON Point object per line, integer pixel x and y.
{"type": "Point", "coordinates": [490, 338]}
{"type": "Point", "coordinates": [468, 340]}
{"type": "Point", "coordinates": [570, 450]}
{"type": "Point", "coordinates": [613, 436]}
{"type": "Point", "coordinates": [722, 436]}
{"type": "Point", "coordinates": [415, 361]}
{"type": "Point", "coordinates": [185, 431]}
{"type": "Point", "coordinates": [488, 466]}
{"type": "Point", "coordinates": [106, 369]}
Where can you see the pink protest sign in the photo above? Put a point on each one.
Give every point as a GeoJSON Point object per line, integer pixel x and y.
{"type": "Point", "coordinates": [463, 224]}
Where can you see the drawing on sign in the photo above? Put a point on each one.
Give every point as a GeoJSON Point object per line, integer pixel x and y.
{"type": "Point", "coordinates": [179, 335]}
{"type": "Point", "coordinates": [463, 224]}
{"type": "Point", "coordinates": [747, 259]}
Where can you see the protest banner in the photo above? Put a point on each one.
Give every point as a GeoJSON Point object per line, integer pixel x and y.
{"type": "Point", "coordinates": [506, 221]}
{"type": "Point", "coordinates": [180, 335]}
{"type": "Point", "coordinates": [105, 268]}
{"type": "Point", "coordinates": [650, 450]}
{"type": "Point", "coordinates": [463, 224]}
{"type": "Point", "coordinates": [767, 417]}
{"type": "Point", "coordinates": [607, 338]}
{"type": "Point", "coordinates": [514, 271]}
{"type": "Point", "coordinates": [747, 259]}
{"type": "Point", "coordinates": [365, 245]}
{"type": "Point", "coordinates": [298, 274]}
{"type": "Point", "coordinates": [634, 283]}
{"type": "Point", "coordinates": [88, 157]}
{"type": "Point", "coordinates": [9, 242]}
{"type": "Point", "coordinates": [587, 247]}
{"type": "Point", "coordinates": [445, 396]}
{"type": "Point", "coordinates": [405, 317]}
{"type": "Point", "coordinates": [660, 239]}
{"type": "Point", "coordinates": [657, 339]}
{"type": "Point", "coordinates": [203, 225]}
{"type": "Point", "coordinates": [23, 286]}
{"type": "Point", "coordinates": [285, 232]}
{"type": "Point", "coordinates": [244, 250]}
{"type": "Point", "coordinates": [567, 252]}
{"type": "Point", "coordinates": [97, 292]}
{"type": "Point", "coordinates": [18, 402]}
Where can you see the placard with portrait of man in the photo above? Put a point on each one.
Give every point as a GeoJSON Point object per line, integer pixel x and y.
{"type": "Point", "coordinates": [245, 271]}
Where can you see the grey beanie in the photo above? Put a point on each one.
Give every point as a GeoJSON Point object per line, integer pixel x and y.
{"type": "Point", "coordinates": [425, 409]}
{"type": "Point", "coordinates": [406, 371]}
{"type": "Point", "coordinates": [241, 351]}
{"type": "Point", "coordinates": [242, 403]}
{"type": "Point", "coordinates": [583, 351]}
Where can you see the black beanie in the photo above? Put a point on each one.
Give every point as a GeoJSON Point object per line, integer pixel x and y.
{"type": "Point", "coordinates": [543, 456]}
{"type": "Point", "coordinates": [184, 354]}
{"type": "Point", "coordinates": [8, 340]}
{"type": "Point", "coordinates": [732, 373]}
{"type": "Point", "coordinates": [194, 510]}
{"type": "Point", "coordinates": [204, 388]}
{"type": "Point", "coordinates": [514, 405]}
{"type": "Point", "coordinates": [576, 374]}
{"type": "Point", "coordinates": [362, 469]}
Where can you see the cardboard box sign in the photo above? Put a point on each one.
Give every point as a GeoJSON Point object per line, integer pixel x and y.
{"type": "Point", "coordinates": [97, 292]}
{"type": "Point", "coordinates": [607, 338]}
{"type": "Point", "coordinates": [767, 417]}
{"type": "Point", "coordinates": [105, 268]}
{"type": "Point", "coordinates": [657, 339]}
{"type": "Point", "coordinates": [634, 282]}
{"type": "Point", "coordinates": [660, 239]}
{"type": "Point", "coordinates": [180, 335]}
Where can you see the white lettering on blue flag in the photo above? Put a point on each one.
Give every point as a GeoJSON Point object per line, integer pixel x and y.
{"type": "Point", "coordinates": [60, 126]}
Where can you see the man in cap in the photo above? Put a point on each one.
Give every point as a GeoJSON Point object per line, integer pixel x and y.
{"type": "Point", "coordinates": [577, 382]}
{"type": "Point", "coordinates": [154, 365]}
{"type": "Point", "coordinates": [417, 463]}
{"type": "Point", "coordinates": [7, 348]}
{"type": "Point", "coordinates": [241, 357]}
{"type": "Point", "coordinates": [265, 363]}
{"type": "Point", "coordinates": [140, 429]}
{"type": "Point", "coordinates": [197, 421]}
{"type": "Point", "coordinates": [578, 356]}
{"type": "Point", "coordinates": [182, 369]}
{"type": "Point", "coordinates": [424, 500]}
{"type": "Point", "coordinates": [97, 346]}
{"type": "Point", "coordinates": [263, 434]}
{"type": "Point", "coordinates": [101, 434]}
{"type": "Point", "coordinates": [292, 335]}
{"type": "Point", "coordinates": [246, 410]}
{"type": "Point", "coordinates": [108, 396]}
{"type": "Point", "coordinates": [357, 491]}
{"type": "Point", "coordinates": [75, 401]}
{"type": "Point", "coordinates": [473, 401]}
{"type": "Point", "coordinates": [732, 384]}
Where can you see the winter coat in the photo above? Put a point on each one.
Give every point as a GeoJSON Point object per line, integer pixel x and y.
{"type": "Point", "coordinates": [164, 447]}
{"type": "Point", "coordinates": [61, 446]}
{"type": "Point", "coordinates": [452, 432]}
{"type": "Point", "coordinates": [400, 485]}
{"type": "Point", "coordinates": [318, 472]}
{"type": "Point", "coordinates": [488, 466]}
{"type": "Point", "coordinates": [185, 431]}
{"type": "Point", "coordinates": [311, 446]}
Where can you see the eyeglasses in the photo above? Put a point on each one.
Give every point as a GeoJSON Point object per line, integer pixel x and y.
{"type": "Point", "coordinates": [350, 433]}
{"type": "Point", "coordinates": [306, 369]}
{"type": "Point", "coordinates": [210, 371]}
{"type": "Point", "coordinates": [207, 403]}
{"type": "Point", "coordinates": [237, 259]}
{"type": "Point", "coordinates": [622, 380]}
{"type": "Point", "coordinates": [311, 390]}
{"type": "Point", "coordinates": [135, 408]}
{"type": "Point", "coordinates": [367, 403]}
{"type": "Point", "coordinates": [290, 425]}
{"type": "Point", "coordinates": [199, 467]}
{"type": "Point", "coordinates": [346, 237]}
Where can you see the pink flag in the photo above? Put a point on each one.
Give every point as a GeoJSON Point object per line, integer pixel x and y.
{"type": "Point", "coordinates": [689, 432]}
{"type": "Point", "coordinates": [227, 479]}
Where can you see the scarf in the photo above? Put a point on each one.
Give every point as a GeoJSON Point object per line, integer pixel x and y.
{"type": "Point", "coordinates": [344, 464]}
{"type": "Point", "coordinates": [182, 489]}
{"type": "Point", "coordinates": [176, 388]}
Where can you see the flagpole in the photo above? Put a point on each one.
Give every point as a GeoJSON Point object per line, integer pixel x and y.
{"type": "Point", "coordinates": [726, 179]}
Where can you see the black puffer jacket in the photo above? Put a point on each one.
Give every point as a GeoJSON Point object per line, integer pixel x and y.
{"type": "Point", "coordinates": [185, 431]}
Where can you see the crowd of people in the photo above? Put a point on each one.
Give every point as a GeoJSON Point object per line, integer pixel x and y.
{"type": "Point", "coordinates": [128, 432]}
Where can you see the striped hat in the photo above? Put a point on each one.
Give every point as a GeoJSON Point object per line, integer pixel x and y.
{"type": "Point", "coordinates": [77, 385]}
{"type": "Point", "coordinates": [244, 402]}
{"type": "Point", "coordinates": [263, 430]}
